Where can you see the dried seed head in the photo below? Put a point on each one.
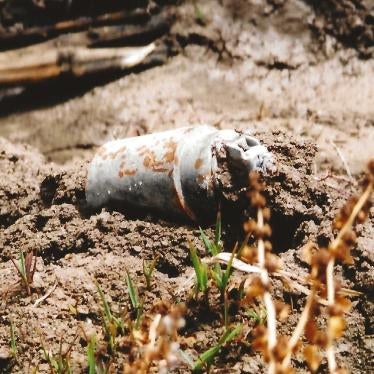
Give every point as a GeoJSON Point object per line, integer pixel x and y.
{"type": "Point", "coordinates": [349, 237]}
{"type": "Point", "coordinates": [282, 309]}
{"type": "Point", "coordinates": [344, 305]}
{"type": "Point", "coordinates": [321, 339]}
{"type": "Point", "coordinates": [319, 263]}
{"type": "Point", "coordinates": [345, 212]}
{"type": "Point", "coordinates": [311, 331]}
{"type": "Point", "coordinates": [268, 246]}
{"type": "Point", "coordinates": [161, 307]}
{"type": "Point", "coordinates": [336, 326]}
{"type": "Point", "coordinates": [266, 214]}
{"type": "Point", "coordinates": [255, 289]}
{"type": "Point", "coordinates": [250, 226]}
{"type": "Point", "coordinates": [342, 252]}
{"type": "Point", "coordinates": [281, 349]}
{"type": "Point", "coordinates": [361, 216]}
{"type": "Point", "coordinates": [257, 200]}
{"type": "Point", "coordinates": [338, 222]}
{"type": "Point", "coordinates": [279, 369]}
{"type": "Point", "coordinates": [260, 340]}
{"type": "Point", "coordinates": [315, 336]}
{"type": "Point", "coordinates": [312, 357]}
{"type": "Point", "coordinates": [266, 230]}
{"type": "Point", "coordinates": [272, 262]}
{"type": "Point", "coordinates": [255, 182]}
{"type": "Point", "coordinates": [248, 254]}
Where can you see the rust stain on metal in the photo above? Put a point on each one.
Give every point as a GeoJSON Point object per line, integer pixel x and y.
{"type": "Point", "coordinates": [178, 202]}
{"type": "Point", "coordinates": [127, 172]}
{"type": "Point", "coordinates": [151, 163]}
{"type": "Point", "coordinates": [149, 159]}
{"type": "Point", "coordinates": [198, 163]}
{"type": "Point", "coordinates": [130, 171]}
{"type": "Point", "coordinates": [171, 147]}
{"type": "Point", "coordinates": [181, 204]}
{"type": "Point", "coordinates": [118, 152]}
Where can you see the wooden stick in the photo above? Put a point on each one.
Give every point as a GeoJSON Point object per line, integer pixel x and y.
{"type": "Point", "coordinates": [37, 34]}
{"type": "Point", "coordinates": [38, 65]}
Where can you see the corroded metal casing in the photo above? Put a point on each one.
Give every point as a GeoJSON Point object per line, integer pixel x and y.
{"type": "Point", "coordinates": [172, 172]}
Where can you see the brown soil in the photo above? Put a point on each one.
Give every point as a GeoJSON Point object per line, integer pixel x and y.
{"type": "Point", "coordinates": [292, 73]}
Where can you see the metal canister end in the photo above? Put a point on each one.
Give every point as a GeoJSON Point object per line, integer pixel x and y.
{"type": "Point", "coordinates": [172, 172]}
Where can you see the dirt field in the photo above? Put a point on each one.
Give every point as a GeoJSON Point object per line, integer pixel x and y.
{"type": "Point", "coordinates": [292, 72]}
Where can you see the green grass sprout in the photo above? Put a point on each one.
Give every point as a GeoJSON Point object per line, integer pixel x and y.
{"type": "Point", "coordinates": [259, 317]}
{"type": "Point", "coordinates": [134, 298]}
{"type": "Point", "coordinates": [221, 279]}
{"type": "Point", "coordinates": [112, 324]}
{"type": "Point", "coordinates": [201, 272]}
{"type": "Point", "coordinates": [148, 269]}
{"type": "Point", "coordinates": [91, 348]}
{"type": "Point", "coordinates": [205, 360]}
{"type": "Point", "coordinates": [13, 340]}
{"type": "Point", "coordinates": [59, 363]}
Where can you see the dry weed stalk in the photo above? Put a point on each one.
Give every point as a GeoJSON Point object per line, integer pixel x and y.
{"type": "Point", "coordinates": [278, 350]}
{"type": "Point", "coordinates": [355, 211]}
{"type": "Point", "coordinates": [157, 340]}
{"type": "Point", "coordinates": [26, 269]}
{"type": "Point", "coordinates": [266, 341]}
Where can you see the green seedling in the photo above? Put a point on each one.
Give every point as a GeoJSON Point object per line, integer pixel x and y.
{"type": "Point", "coordinates": [13, 340]}
{"type": "Point", "coordinates": [59, 363]}
{"type": "Point", "coordinates": [26, 269]}
{"type": "Point", "coordinates": [93, 366]}
{"type": "Point", "coordinates": [148, 269]}
{"type": "Point", "coordinates": [205, 360]}
{"type": "Point", "coordinates": [91, 361]}
{"type": "Point", "coordinates": [201, 272]}
{"type": "Point", "coordinates": [219, 276]}
{"type": "Point", "coordinates": [221, 279]}
{"type": "Point", "coordinates": [137, 305]}
{"type": "Point", "coordinates": [259, 317]}
{"type": "Point", "coordinates": [112, 324]}
{"type": "Point", "coordinates": [199, 15]}
{"type": "Point", "coordinates": [213, 247]}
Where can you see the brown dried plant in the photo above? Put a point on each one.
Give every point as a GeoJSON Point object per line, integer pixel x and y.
{"type": "Point", "coordinates": [266, 338]}
{"type": "Point", "coordinates": [156, 342]}
{"type": "Point", "coordinates": [322, 273]}
{"type": "Point", "coordinates": [26, 269]}
{"type": "Point", "coordinates": [277, 349]}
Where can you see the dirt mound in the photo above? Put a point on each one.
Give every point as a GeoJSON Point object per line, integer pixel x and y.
{"type": "Point", "coordinates": [22, 171]}
{"type": "Point", "coordinates": [73, 246]}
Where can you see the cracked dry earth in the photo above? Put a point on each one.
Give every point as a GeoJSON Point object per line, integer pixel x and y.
{"type": "Point", "coordinates": [273, 67]}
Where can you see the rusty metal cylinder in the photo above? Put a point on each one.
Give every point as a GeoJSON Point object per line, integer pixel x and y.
{"type": "Point", "coordinates": [172, 172]}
